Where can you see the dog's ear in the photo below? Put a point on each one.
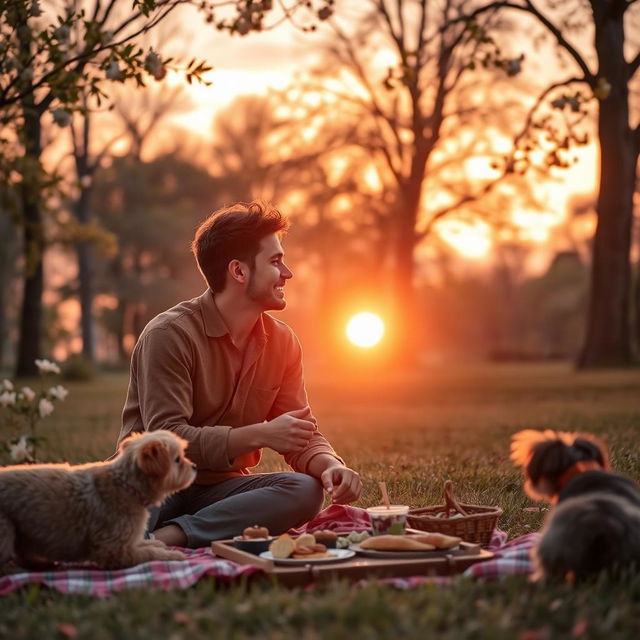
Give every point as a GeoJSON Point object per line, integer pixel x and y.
{"type": "Point", "coordinates": [590, 448]}
{"type": "Point", "coordinates": [154, 459]}
{"type": "Point", "coordinates": [524, 442]}
{"type": "Point", "coordinates": [127, 441]}
{"type": "Point", "coordinates": [549, 459]}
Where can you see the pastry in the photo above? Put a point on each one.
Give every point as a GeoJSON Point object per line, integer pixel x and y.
{"type": "Point", "coordinates": [325, 536]}
{"type": "Point", "coordinates": [283, 546]}
{"type": "Point", "coordinates": [255, 532]}
{"type": "Point", "coordinates": [305, 540]}
{"type": "Point", "coordinates": [438, 540]}
{"type": "Point", "coordinates": [392, 542]}
{"type": "Point", "coordinates": [308, 556]}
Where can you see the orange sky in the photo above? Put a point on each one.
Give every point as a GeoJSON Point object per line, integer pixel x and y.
{"type": "Point", "coordinates": [255, 63]}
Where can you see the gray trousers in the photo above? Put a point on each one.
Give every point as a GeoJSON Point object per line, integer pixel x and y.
{"type": "Point", "coordinates": [278, 501]}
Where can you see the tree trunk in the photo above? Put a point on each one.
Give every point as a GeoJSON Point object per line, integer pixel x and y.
{"type": "Point", "coordinates": [83, 250]}
{"type": "Point", "coordinates": [30, 341]}
{"type": "Point", "coordinates": [406, 325]}
{"type": "Point", "coordinates": [637, 308]}
{"type": "Point", "coordinates": [608, 336]}
{"type": "Point", "coordinates": [7, 276]}
{"type": "Point", "coordinates": [85, 280]}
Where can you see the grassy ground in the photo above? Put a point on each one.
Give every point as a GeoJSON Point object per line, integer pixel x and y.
{"type": "Point", "coordinates": [413, 431]}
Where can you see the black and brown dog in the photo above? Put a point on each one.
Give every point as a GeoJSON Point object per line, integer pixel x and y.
{"type": "Point", "coordinates": [594, 524]}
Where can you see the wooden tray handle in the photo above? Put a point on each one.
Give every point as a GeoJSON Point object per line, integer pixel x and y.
{"type": "Point", "coordinates": [450, 499]}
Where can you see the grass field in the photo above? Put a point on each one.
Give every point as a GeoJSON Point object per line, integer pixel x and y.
{"type": "Point", "coordinates": [413, 431]}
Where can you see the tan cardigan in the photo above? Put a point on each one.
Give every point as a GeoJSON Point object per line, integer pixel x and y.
{"type": "Point", "coordinates": [188, 377]}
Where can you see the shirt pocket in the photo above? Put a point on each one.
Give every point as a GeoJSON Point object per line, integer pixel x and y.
{"type": "Point", "coordinates": [259, 403]}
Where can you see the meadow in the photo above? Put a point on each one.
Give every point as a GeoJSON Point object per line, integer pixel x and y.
{"type": "Point", "coordinates": [413, 430]}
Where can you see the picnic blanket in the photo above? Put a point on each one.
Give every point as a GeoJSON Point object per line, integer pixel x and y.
{"type": "Point", "coordinates": [511, 558]}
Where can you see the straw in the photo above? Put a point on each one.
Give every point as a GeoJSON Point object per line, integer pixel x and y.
{"type": "Point", "coordinates": [385, 494]}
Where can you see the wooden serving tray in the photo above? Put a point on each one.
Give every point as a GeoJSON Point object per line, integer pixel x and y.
{"type": "Point", "coordinates": [358, 567]}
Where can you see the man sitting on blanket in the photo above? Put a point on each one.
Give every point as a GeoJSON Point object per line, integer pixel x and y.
{"type": "Point", "coordinates": [227, 377]}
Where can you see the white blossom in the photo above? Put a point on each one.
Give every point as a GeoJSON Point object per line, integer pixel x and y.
{"type": "Point", "coordinates": [62, 33]}
{"type": "Point", "coordinates": [152, 62]}
{"type": "Point", "coordinates": [514, 66]}
{"type": "Point", "coordinates": [8, 398]}
{"type": "Point", "coordinates": [46, 366]}
{"type": "Point", "coordinates": [45, 407]}
{"type": "Point", "coordinates": [28, 393]}
{"type": "Point", "coordinates": [58, 392]}
{"type": "Point", "coordinates": [20, 451]}
{"type": "Point", "coordinates": [7, 385]}
{"type": "Point", "coordinates": [61, 117]}
{"type": "Point", "coordinates": [114, 72]}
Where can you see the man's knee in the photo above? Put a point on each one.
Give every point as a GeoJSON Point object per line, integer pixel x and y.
{"type": "Point", "coordinates": [308, 492]}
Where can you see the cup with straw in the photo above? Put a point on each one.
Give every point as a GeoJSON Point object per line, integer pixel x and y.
{"type": "Point", "coordinates": [388, 518]}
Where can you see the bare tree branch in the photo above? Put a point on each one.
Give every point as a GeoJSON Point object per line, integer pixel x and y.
{"type": "Point", "coordinates": [540, 99]}
{"type": "Point", "coordinates": [529, 7]}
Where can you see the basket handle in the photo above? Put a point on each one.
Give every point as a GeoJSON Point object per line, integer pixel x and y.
{"type": "Point", "coordinates": [450, 499]}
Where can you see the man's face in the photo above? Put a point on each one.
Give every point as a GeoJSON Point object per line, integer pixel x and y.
{"type": "Point", "coordinates": [268, 276]}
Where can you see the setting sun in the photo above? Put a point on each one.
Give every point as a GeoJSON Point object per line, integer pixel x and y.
{"type": "Point", "coordinates": [365, 329]}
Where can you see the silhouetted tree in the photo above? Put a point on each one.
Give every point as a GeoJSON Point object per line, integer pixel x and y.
{"type": "Point", "coordinates": [597, 39]}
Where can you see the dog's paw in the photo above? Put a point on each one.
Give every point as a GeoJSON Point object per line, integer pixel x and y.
{"type": "Point", "coordinates": [168, 554]}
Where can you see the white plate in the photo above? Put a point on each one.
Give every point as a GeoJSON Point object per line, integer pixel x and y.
{"type": "Point", "coordinates": [337, 555]}
{"type": "Point", "coordinates": [406, 555]}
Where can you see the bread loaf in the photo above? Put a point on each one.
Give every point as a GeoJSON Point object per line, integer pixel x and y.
{"type": "Point", "coordinates": [283, 546]}
{"type": "Point", "coordinates": [438, 540]}
{"type": "Point", "coordinates": [395, 543]}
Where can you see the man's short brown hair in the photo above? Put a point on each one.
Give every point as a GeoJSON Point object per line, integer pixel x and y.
{"type": "Point", "coordinates": [233, 233]}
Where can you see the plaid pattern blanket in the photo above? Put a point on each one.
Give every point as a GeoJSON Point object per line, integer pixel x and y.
{"type": "Point", "coordinates": [511, 559]}
{"type": "Point", "coordinates": [158, 575]}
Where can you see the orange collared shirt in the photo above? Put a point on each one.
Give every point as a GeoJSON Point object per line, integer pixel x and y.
{"type": "Point", "coordinates": [187, 376]}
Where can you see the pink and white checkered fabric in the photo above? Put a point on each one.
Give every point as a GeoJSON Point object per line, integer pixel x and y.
{"type": "Point", "coordinates": [511, 559]}
{"type": "Point", "coordinates": [159, 575]}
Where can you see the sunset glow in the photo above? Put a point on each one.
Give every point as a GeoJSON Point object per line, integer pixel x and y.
{"type": "Point", "coordinates": [472, 240]}
{"type": "Point", "coordinates": [365, 329]}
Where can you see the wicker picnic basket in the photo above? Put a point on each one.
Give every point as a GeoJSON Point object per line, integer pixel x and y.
{"type": "Point", "coordinates": [476, 524]}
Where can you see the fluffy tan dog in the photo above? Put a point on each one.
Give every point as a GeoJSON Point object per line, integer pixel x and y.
{"type": "Point", "coordinates": [93, 512]}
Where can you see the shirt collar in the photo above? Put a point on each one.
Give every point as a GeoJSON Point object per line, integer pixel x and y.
{"type": "Point", "coordinates": [214, 324]}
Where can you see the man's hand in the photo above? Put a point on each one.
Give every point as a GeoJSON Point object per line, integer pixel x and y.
{"type": "Point", "coordinates": [289, 432]}
{"type": "Point", "coordinates": [342, 483]}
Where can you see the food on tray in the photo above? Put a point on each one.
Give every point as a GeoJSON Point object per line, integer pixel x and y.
{"type": "Point", "coordinates": [395, 543]}
{"type": "Point", "coordinates": [326, 537]}
{"type": "Point", "coordinates": [390, 519]}
{"type": "Point", "coordinates": [315, 550]}
{"type": "Point", "coordinates": [303, 547]}
{"type": "Point", "coordinates": [283, 546]}
{"type": "Point", "coordinates": [251, 533]}
{"type": "Point", "coordinates": [305, 540]}
{"type": "Point", "coordinates": [353, 537]}
{"type": "Point", "coordinates": [438, 540]}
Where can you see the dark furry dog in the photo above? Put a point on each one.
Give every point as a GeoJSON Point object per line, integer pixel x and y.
{"type": "Point", "coordinates": [594, 524]}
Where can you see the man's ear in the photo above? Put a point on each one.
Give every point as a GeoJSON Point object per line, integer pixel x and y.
{"type": "Point", "coordinates": [239, 271]}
